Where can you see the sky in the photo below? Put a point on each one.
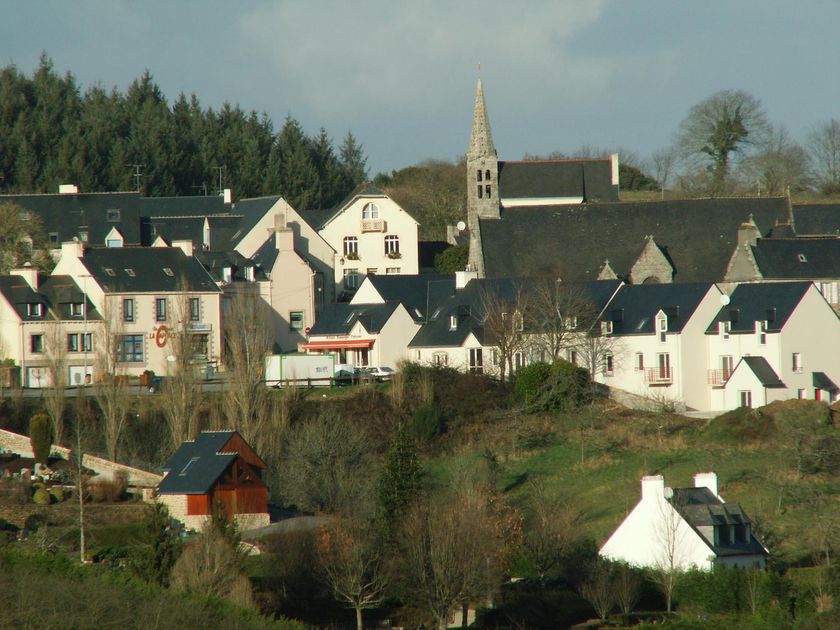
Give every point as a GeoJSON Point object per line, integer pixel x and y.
{"type": "Point", "coordinates": [558, 75]}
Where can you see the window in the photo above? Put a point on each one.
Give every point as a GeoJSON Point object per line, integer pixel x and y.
{"type": "Point", "coordinates": [169, 272]}
{"type": "Point", "coordinates": [573, 357]}
{"type": "Point", "coordinates": [351, 279]}
{"type": "Point", "coordinates": [797, 362]}
{"type": "Point", "coordinates": [53, 238]}
{"type": "Point", "coordinates": [476, 360]}
{"type": "Point", "coordinates": [249, 273]}
{"type": "Point", "coordinates": [371, 271]}
{"type": "Point", "coordinates": [746, 398]}
{"type": "Point", "coordinates": [487, 191]}
{"type": "Point", "coordinates": [725, 327]}
{"type": "Point", "coordinates": [480, 191]}
{"type": "Point", "coordinates": [518, 360]}
{"type": "Point", "coordinates": [195, 309]}
{"type": "Point", "coordinates": [370, 211]}
{"type": "Point", "coordinates": [726, 363]}
{"type": "Point", "coordinates": [83, 236]}
{"type": "Point", "coordinates": [112, 215]}
{"type": "Point", "coordinates": [663, 369]}
{"type": "Point", "coordinates": [73, 342]}
{"type": "Point", "coordinates": [608, 364]}
{"type": "Point", "coordinates": [128, 310]}
{"type": "Point", "coordinates": [109, 272]}
{"type": "Point", "coordinates": [113, 242]}
{"type": "Point", "coordinates": [36, 343]}
{"type": "Point", "coordinates": [392, 245]}
{"type": "Point", "coordinates": [441, 359]}
{"type": "Point", "coordinates": [130, 348]}
{"type": "Point", "coordinates": [392, 270]}
{"type": "Point", "coordinates": [35, 309]}
{"type": "Point", "coordinates": [199, 344]}
{"type": "Point", "coordinates": [487, 174]}
{"type": "Point", "coordinates": [351, 247]}
{"type": "Point", "coordinates": [800, 394]}
{"type": "Point", "coordinates": [478, 175]}
{"type": "Point", "coordinates": [160, 309]}
{"type": "Point", "coordinates": [227, 273]}
{"type": "Point", "coordinates": [453, 322]}
{"type": "Point", "coordinates": [77, 309]}
{"type": "Point", "coordinates": [802, 258]}
{"type": "Point", "coordinates": [188, 465]}
{"type": "Point", "coordinates": [761, 328]}
{"type": "Point", "coordinates": [296, 320]}
{"type": "Point", "coordinates": [662, 327]}
{"type": "Point", "coordinates": [640, 361]}
{"type": "Point", "coordinates": [130, 272]}
{"type": "Point", "coordinates": [87, 342]}
{"type": "Point", "coordinates": [818, 394]}
{"type": "Point", "coordinates": [606, 328]}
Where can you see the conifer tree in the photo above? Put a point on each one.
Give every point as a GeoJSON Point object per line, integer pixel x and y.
{"type": "Point", "coordinates": [400, 481]}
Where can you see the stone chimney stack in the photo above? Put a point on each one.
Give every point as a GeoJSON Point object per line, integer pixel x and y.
{"type": "Point", "coordinates": [185, 246]}
{"type": "Point", "coordinates": [73, 249]}
{"type": "Point", "coordinates": [29, 274]}
{"type": "Point", "coordinates": [462, 278]}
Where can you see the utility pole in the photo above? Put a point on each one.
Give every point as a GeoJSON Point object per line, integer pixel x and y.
{"type": "Point", "coordinates": [220, 168]}
{"type": "Point", "coordinates": [138, 175]}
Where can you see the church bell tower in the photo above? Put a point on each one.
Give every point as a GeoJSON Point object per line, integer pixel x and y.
{"type": "Point", "coordinates": [482, 178]}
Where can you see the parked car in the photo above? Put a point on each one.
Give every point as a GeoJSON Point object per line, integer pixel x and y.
{"type": "Point", "coordinates": [378, 373]}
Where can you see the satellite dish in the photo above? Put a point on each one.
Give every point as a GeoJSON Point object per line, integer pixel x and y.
{"type": "Point", "coordinates": [724, 299]}
{"type": "Point", "coordinates": [669, 493]}
{"type": "Point", "coordinates": [461, 226]}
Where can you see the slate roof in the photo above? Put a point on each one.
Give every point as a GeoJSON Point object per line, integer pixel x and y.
{"type": "Point", "coordinates": [823, 381]}
{"type": "Point", "coordinates": [773, 302]}
{"type": "Point", "coordinates": [701, 508]}
{"type": "Point", "coordinates": [208, 464]}
{"type": "Point", "coordinates": [571, 241]}
{"type": "Point", "coordinates": [416, 293]}
{"type": "Point", "coordinates": [816, 218]}
{"type": "Point", "coordinates": [61, 291]}
{"type": "Point", "coordinates": [19, 294]}
{"type": "Point", "coordinates": [798, 258]}
{"type": "Point", "coordinates": [339, 319]}
{"type": "Point", "coordinates": [143, 270]}
{"type": "Point", "coordinates": [214, 261]}
{"type": "Point", "coordinates": [251, 211]}
{"type": "Point", "coordinates": [763, 371]}
{"type": "Point", "coordinates": [633, 310]}
{"type": "Point", "coordinates": [587, 179]}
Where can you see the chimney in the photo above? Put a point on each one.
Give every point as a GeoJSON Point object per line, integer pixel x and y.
{"type": "Point", "coordinates": [748, 233]}
{"type": "Point", "coordinates": [73, 249]}
{"type": "Point", "coordinates": [707, 480]}
{"type": "Point", "coordinates": [653, 487]}
{"type": "Point", "coordinates": [614, 169]}
{"type": "Point", "coordinates": [185, 246]}
{"type": "Point", "coordinates": [227, 195]}
{"type": "Point", "coordinates": [29, 274]}
{"type": "Point", "coordinates": [463, 277]}
{"type": "Point", "coordinates": [284, 239]}
{"type": "Point", "coordinates": [68, 189]}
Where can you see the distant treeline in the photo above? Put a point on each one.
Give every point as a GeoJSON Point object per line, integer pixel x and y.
{"type": "Point", "coordinates": [51, 133]}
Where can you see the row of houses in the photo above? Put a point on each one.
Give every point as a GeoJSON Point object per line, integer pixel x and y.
{"type": "Point", "coordinates": [707, 346]}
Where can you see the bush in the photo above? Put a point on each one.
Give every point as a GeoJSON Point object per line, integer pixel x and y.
{"type": "Point", "coordinates": [529, 381]}
{"type": "Point", "coordinates": [561, 386]}
{"type": "Point", "coordinates": [42, 497]}
{"type": "Point", "coordinates": [34, 522]}
{"type": "Point", "coordinates": [57, 493]}
{"type": "Point", "coordinates": [107, 489]}
{"type": "Point", "coordinates": [40, 437]}
{"type": "Point", "coordinates": [426, 423]}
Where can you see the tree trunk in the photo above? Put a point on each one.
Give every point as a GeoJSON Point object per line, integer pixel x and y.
{"type": "Point", "coordinates": [359, 625]}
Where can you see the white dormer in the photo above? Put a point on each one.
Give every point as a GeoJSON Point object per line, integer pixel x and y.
{"type": "Point", "coordinates": [249, 273]}
{"type": "Point", "coordinates": [227, 274]}
{"type": "Point", "coordinates": [661, 325]}
{"type": "Point", "coordinates": [205, 237]}
{"type": "Point", "coordinates": [114, 238]}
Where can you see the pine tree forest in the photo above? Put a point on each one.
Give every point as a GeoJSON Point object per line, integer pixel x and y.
{"type": "Point", "coordinates": [52, 133]}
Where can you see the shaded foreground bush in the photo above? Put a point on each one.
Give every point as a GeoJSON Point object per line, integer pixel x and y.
{"type": "Point", "coordinates": [53, 592]}
{"type": "Point", "coordinates": [558, 386]}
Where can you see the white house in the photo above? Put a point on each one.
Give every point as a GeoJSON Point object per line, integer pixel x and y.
{"type": "Point", "coordinates": [773, 341]}
{"type": "Point", "coordinates": [685, 528]}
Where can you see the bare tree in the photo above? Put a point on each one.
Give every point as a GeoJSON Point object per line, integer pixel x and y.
{"type": "Point", "coordinates": [449, 553]}
{"type": "Point", "coordinates": [111, 391]}
{"type": "Point", "coordinates": [824, 147]}
{"type": "Point", "coordinates": [55, 396]}
{"type": "Point", "coordinates": [550, 531]}
{"type": "Point", "coordinates": [627, 585]}
{"type": "Point", "coordinates": [670, 535]}
{"type": "Point", "coordinates": [81, 429]}
{"type": "Point", "coordinates": [719, 129]}
{"type": "Point", "coordinates": [247, 337]}
{"type": "Point", "coordinates": [664, 162]}
{"type": "Point", "coordinates": [779, 164]}
{"type": "Point", "coordinates": [504, 311]}
{"type": "Point", "coordinates": [180, 396]}
{"type": "Point", "coordinates": [598, 589]}
{"type": "Point", "coordinates": [351, 558]}
{"type": "Point", "coordinates": [555, 308]}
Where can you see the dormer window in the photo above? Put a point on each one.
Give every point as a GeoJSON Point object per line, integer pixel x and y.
{"type": "Point", "coordinates": [761, 329]}
{"type": "Point", "coordinates": [370, 211]}
{"type": "Point", "coordinates": [112, 215]}
{"type": "Point", "coordinates": [606, 327]}
{"type": "Point", "coordinates": [453, 322]}
{"type": "Point", "coordinates": [76, 309]}
{"type": "Point", "coordinates": [227, 272]}
{"type": "Point", "coordinates": [249, 274]}
{"type": "Point", "coordinates": [35, 309]}
{"type": "Point", "coordinates": [662, 327]}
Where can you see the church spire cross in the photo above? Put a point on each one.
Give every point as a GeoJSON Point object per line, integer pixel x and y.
{"type": "Point", "coordinates": [481, 139]}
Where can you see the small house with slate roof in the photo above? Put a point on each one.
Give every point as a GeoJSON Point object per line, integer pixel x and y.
{"type": "Point", "coordinates": [685, 528]}
{"type": "Point", "coordinates": [217, 471]}
{"type": "Point", "coordinates": [791, 327]}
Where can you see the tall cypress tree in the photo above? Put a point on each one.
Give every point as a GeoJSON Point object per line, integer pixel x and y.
{"type": "Point", "coordinates": [353, 161]}
{"type": "Point", "coordinates": [401, 477]}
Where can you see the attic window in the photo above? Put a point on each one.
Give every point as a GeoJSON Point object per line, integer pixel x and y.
{"type": "Point", "coordinates": [112, 215]}
{"type": "Point", "coordinates": [76, 309]}
{"type": "Point", "coordinates": [53, 238]}
{"type": "Point", "coordinates": [453, 322]}
{"type": "Point", "coordinates": [130, 272]}
{"type": "Point", "coordinates": [436, 313]}
{"type": "Point", "coordinates": [168, 271]}
{"type": "Point", "coordinates": [802, 258]}
{"type": "Point", "coordinates": [350, 317]}
{"type": "Point", "coordinates": [110, 272]}
{"type": "Point", "coordinates": [188, 466]}
{"type": "Point", "coordinates": [35, 309]}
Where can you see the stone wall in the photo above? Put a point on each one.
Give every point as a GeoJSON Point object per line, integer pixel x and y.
{"type": "Point", "coordinates": [66, 513]}
{"type": "Point", "coordinates": [19, 444]}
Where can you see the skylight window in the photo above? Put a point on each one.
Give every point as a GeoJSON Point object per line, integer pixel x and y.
{"type": "Point", "coordinates": [802, 258]}
{"type": "Point", "coordinates": [168, 271]}
{"type": "Point", "coordinates": [110, 272]}
{"type": "Point", "coordinates": [130, 272]}
{"type": "Point", "coordinates": [189, 465]}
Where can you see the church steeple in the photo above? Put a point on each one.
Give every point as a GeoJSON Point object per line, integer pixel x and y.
{"type": "Point", "coordinates": [481, 139]}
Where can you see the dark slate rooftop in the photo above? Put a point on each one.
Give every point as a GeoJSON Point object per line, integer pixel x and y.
{"type": "Point", "coordinates": [144, 269]}
{"type": "Point", "coordinates": [208, 464]}
{"type": "Point", "coordinates": [251, 210]}
{"type": "Point", "coordinates": [215, 261]}
{"type": "Point", "coordinates": [416, 293]}
{"type": "Point", "coordinates": [339, 319]}
{"type": "Point", "coordinates": [634, 308]}
{"type": "Point", "coordinates": [773, 302]}
{"type": "Point", "coordinates": [798, 258]}
{"type": "Point", "coordinates": [697, 235]}
{"type": "Point", "coordinates": [763, 371]}
{"type": "Point", "coordinates": [61, 291]}
{"type": "Point", "coordinates": [20, 295]}
{"type": "Point", "coordinates": [701, 508]}
{"type": "Point", "coordinates": [816, 218]}
{"type": "Point", "coordinates": [587, 179]}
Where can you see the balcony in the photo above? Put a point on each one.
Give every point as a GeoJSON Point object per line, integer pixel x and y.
{"type": "Point", "coordinates": [717, 378]}
{"type": "Point", "coordinates": [373, 225]}
{"type": "Point", "coordinates": [659, 376]}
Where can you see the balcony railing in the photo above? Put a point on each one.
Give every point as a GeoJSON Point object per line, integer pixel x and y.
{"type": "Point", "coordinates": [659, 375]}
{"type": "Point", "coordinates": [373, 225]}
{"type": "Point", "coordinates": [717, 378]}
